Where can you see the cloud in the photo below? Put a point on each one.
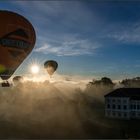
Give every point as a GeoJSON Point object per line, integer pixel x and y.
{"type": "Point", "coordinates": [61, 26]}
{"type": "Point", "coordinates": [69, 48]}
{"type": "Point", "coordinates": [137, 66]}
{"type": "Point", "coordinates": [129, 33]}
{"type": "Point", "coordinates": [64, 13]}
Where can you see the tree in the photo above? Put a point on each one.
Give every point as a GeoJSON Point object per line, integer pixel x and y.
{"type": "Point", "coordinates": [134, 82]}
{"type": "Point", "coordinates": [106, 81]}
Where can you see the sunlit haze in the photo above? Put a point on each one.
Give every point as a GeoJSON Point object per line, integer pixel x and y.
{"type": "Point", "coordinates": [34, 69]}
{"type": "Point", "coordinates": [64, 89]}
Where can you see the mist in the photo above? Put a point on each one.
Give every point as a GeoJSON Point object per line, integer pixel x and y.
{"type": "Point", "coordinates": [55, 110]}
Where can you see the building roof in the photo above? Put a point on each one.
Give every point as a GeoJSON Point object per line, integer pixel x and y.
{"type": "Point", "coordinates": [133, 93]}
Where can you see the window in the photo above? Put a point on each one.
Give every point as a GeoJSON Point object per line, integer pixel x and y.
{"type": "Point", "coordinates": [114, 106]}
{"type": "Point", "coordinates": [113, 100]}
{"type": "Point", "coordinates": [118, 100]}
{"type": "Point", "coordinates": [133, 114]}
{"type": "Point", "coordinates": [119, 107]}
{"type": "Point", "coordinates": [134, 106]}
{"type": "Point", "coordinates": [108, 113]}
{"type": "Point", "coordinates": [139, 114]}
{"type": "Point", "coordinates": [114, 113]}
{"type": "Point", "coordinates": [124, 101]}
{"type": "Point", "coordinates": [108, 105]}
{"type": "Point", "coordinates": [125, 114]}
{"type": "Point", "coordinates": [131, 106]}
{"type": "Point", "coordinates": [138, 106]}
{"type": "Point", "coordinates": [108, 100]}
{"type": "Point", "coordinates": [119, 114]}
{"type": "Point", "coordinates": [124, 107]}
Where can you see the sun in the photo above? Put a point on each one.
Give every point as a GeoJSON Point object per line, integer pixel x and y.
{"type": "Point", "coordinates": [34, 69]}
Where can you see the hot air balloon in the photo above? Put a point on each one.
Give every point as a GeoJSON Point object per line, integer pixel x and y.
{"type": "Point", "coordinates": [50, 66]}
{"type": "Point", "coordinates": [17, 79]}
{"type": "Point", "coordinates": [17, 39]}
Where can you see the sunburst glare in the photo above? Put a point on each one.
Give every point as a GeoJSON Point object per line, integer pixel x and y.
{"type": "Point", "coordinates": [35, 69]}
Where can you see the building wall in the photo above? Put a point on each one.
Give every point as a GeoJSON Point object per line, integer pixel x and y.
{"type": "Point", "coordinates": [135, 108]}
{"type": "Point", "coordinates": [122, 107]}
{"type": "Point", "coordinates": [116, 107]}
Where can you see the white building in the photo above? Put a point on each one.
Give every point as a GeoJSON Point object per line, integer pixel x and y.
{"type": "Point", "coordinates": [123, 103]}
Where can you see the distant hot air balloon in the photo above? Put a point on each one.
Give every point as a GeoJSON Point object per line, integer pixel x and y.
{"type": "Point", "coordinates": [17, 79]}
{"type": "Point", "coordinates": [50, 66]}
{"type": "Point", "coordinates": [17, 39]}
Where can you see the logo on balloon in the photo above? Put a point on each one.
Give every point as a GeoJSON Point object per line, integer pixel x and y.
{"type": "Point", "coordinates": [9, 41]}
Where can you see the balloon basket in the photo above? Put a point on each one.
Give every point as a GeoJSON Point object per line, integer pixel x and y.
{"type": "Point", "coordinates": [5, 84]}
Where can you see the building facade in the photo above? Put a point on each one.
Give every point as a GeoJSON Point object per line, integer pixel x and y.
{"type": "Point", "coordinates": [123, 103]}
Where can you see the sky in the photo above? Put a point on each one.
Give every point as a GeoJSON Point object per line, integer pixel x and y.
{"type": "Point", "coordinates": [87, 38]}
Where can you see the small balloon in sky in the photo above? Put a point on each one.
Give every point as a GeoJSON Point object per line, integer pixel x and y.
{"type": "Point", "coordinates": [17, 79]}
{"type": "Point", "coordinates": [51, 66]}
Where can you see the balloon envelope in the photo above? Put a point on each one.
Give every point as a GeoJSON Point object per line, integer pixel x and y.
{"type": "Point", "coordinates": [50, 66]}
{"type": "Point", "coordinates": [18, 79]}
{"type": "Point", "coordinates": [17, 39]}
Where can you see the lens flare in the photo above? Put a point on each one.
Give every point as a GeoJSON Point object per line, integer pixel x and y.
{"type": "Point", "coordinates": [34, 69]}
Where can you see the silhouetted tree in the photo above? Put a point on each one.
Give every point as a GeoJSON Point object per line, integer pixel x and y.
{"type": "Point", "coordinates": [106, 81]}
{"type": "Point", "coordinates": [134, 82]}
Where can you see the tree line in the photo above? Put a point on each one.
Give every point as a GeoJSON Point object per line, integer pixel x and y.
{"type": "Point", "coordinates": [105, 81]}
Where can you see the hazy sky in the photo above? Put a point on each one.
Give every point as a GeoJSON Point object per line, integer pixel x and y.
{"type": "Point", "coordinates": [88, 38]}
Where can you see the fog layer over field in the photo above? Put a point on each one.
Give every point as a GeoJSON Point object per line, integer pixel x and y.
{"type": "Point", "coordinates": [58, 109]}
